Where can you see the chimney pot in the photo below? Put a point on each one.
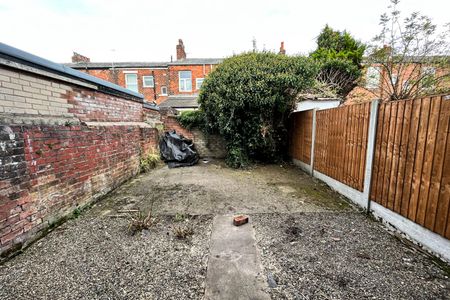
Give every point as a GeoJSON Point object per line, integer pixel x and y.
{"type": "Point", "coordinates": [77, 57]}
{"type": "Point", "coordinates": [282, 50]}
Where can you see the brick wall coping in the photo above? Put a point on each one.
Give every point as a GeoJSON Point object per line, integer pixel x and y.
{"type": "Point", "coordinates": [139, 124]}
{"type": "Point", "coordinates": [16, 58]}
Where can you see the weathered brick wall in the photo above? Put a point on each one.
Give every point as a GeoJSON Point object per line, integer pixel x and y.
{"type": "Point", "coordinates": [151, 116]}
{"type": "Point", "coordinates": [99, 107]}
{"type": "Point", "coordinates": [62, 146]}
{"type": "Point", "coordinates": [207, 145]}
{"type": "Point", "coordinates": [48, 171]}
{"type": "Point", "coordinates": [171, 123]}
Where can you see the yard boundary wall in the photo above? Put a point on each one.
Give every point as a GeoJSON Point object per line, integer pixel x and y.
{"type": "Point", "coordinates": [392, 155]}
{"type": "Point", "coordinates": [64, 143]}
{"type": "Point", "coordinates": [207, 145]}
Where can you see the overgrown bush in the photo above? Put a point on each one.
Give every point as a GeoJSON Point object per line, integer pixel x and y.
{"type": "Point", "coordinates": [192, 119]}
{"type": "Point", "coordinates": [339, 56]}
{"type": "Point", "coordinates": [248, 98]}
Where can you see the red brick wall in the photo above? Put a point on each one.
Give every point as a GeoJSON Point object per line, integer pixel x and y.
{"type": "Point", "coordinates": [171, 123]}
{"type": "Point", "coordinates": [197, 72]}
{"type": "Point", "coordinates": [206, 145]}
{"type": "Point", "coordinates": [47, 171]}
{"type": "Point", "coordinates": [107, 75]}
{"type": "Point", "coordinates": [151, 116]}
{"type": "Point", "coordinates": [95, 106]}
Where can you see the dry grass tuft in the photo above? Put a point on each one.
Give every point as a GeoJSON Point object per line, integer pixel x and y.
{"type": "Point", "coordinates": [141, 221]}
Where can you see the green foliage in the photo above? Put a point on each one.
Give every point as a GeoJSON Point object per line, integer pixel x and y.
{"type": "Point", "coordinates": [333, 44]}
{"type": "Point", "coordinates": [149, 161]}
{"type": "Point", "coordinates": [247, 99]}
{"type": "Point", "coordinates": [179, 217]}
{"type": "Point", "coordinates": [192, 119]}
{"type": "Point", "coordinates": [340, 57]}
{"type": "Point", "coordinates": [236, 157]}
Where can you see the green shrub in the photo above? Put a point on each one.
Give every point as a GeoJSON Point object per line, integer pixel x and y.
{"type": "Point", "coordinates": [339, 56]}
{"type": "Point", "coordinates": [149, 161]}
{"type": "Point", "coordinates": [247, 99]}
{"type": "Point", "coordinates": [192, 119]}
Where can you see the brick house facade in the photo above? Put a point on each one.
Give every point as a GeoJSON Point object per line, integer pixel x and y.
{"type": "Point", "coordinates": [175, 84]}
{"type": "Point", "coordinates": [375, 81]}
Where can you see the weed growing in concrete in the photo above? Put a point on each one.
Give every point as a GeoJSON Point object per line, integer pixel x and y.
{"type": "Point", "coordinates": [141, 221]}
{"type": "Point", "coordinates": [149, 161]}
{"type": "Point", "coordinates": [182, 231]}
{"type": "Point", "coordinates": [179, 217]}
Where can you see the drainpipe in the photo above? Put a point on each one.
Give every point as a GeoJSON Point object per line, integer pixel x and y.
{"type": "Point", "coordinates": [154, 86]}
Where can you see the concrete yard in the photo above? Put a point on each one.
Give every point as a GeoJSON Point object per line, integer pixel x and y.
{"type": "Point", "coordinates": [303, 241]}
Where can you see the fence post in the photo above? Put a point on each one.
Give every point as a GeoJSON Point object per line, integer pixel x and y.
{"type": "Point", "coordinates": [370, 151]}
{"type": "Point", "coordinates": [313, 140]}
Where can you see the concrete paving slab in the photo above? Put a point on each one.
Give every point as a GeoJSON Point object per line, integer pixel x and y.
{"type": "Point", "coordinates": [234, 267]}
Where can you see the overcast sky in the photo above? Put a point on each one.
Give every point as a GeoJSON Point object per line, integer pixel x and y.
{"type": "Point", "coordinates": [133, 30]}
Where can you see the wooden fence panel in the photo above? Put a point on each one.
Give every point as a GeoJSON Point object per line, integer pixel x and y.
{"type": "Point", "coordinates": [341, 143]}
{"type": "Point", "coordinates": [411, 168]}
{"type": "Point", "coordinates": [301, 136]}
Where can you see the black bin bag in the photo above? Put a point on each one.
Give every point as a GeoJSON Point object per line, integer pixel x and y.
{"type": "Point", "coordinates": [177, 151]}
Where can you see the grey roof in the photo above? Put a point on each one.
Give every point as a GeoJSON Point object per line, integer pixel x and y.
{"type": "Point", "coordinates": [108, 65]}
{"type": "Point", "coordinates": [42, 63]}
{"type": "Point", "coordinates": [181, 101]}
{"type": "Point", "coordinates": [197, 61]}
{"type": "Point", "coordinates": [152, 106]}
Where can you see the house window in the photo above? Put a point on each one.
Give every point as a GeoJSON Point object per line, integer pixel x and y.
{"type": "Point", "coordinates": [163, 91]}
{"type": "Point", "coordinates": [185, 81]}
{"type": "Point", "coordinates": [148, 81]}
{"type": "Point", "coordinates": [131, 82]}
{"type": "Point", "coordinates": [198, 83]}
{"type": "Point", "coordinates": [373, 78]}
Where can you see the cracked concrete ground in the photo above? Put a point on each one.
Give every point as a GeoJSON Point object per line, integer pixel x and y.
{"type": "Point", "coordinates": [312, 244]}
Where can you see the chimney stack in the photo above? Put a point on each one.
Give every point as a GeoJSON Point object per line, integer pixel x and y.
{"type": "Point", "coordinates": [181, 54]}
{"type": "Point", "coordinates": [282, 50]}
{"type": "Point", "coordinates": [76, 58]}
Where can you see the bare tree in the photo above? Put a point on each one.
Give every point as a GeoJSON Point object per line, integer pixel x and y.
{"type": "Point", "coordinates": [409, 57]}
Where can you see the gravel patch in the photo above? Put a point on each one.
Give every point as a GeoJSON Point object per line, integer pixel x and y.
{"type": "Point", "coordinates": [95, 257]}
{"type": "Point", "coordinates": [342, 256]}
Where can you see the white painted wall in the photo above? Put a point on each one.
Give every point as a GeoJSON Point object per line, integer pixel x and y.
{"type": "Point", "coordinates": [316, 104]}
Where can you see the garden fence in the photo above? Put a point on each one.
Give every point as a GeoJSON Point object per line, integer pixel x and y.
{"type": "Point", "coordinates": [390, 156]}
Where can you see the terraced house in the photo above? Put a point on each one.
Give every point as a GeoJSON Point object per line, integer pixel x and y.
{"type": "Point", "coordinates": [175, 83]}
